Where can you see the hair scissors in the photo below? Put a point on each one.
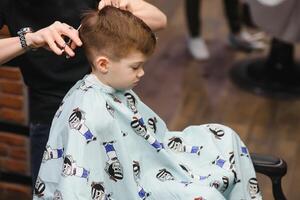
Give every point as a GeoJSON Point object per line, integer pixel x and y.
{"type": "Point", "coordinates": [68, 43]}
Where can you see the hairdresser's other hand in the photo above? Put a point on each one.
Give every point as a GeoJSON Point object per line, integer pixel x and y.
{"type": "Point", "coordinates": [150, 14]}
{"type": "Point", "coordinates": [122, 4]}
{"type": "Point", "coordinates": [51, 38]}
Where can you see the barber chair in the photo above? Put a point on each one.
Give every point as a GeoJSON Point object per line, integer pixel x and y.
{"type": "Point", "coordinates": [271, 166]}
{"type": "Point", "coordinates": [277, 75]}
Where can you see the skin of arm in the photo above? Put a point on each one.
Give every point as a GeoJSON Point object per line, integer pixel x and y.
{"type": "Point", "coordinates": [51, 37]}
{"type": "Point", "coordinates": [10, 48]}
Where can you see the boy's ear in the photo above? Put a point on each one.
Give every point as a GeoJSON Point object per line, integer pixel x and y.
{"type": "Point", "coordinates": [101, 64]}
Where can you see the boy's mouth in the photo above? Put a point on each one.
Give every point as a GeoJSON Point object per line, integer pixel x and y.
{"type": "Point", "coordinates": [135, 83]}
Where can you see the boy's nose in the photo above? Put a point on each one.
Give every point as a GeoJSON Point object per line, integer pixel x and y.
{"type": "Point", "coordinates": [141, 73]}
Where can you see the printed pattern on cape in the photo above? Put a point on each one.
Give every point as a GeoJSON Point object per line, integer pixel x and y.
{"type": "Point", "coordinates": [108, 145]}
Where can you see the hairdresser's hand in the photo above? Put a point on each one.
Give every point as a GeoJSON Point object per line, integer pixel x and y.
{"type": "Point", "coordinates": [122, 4]}
{"type": "Point", "coordinates": [150, 14]}
{"type": "Point", "coordinates": [52, 36]}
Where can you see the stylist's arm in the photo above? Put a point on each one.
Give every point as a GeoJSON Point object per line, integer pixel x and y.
{"type": "Point", "coordinates": [50, 38]}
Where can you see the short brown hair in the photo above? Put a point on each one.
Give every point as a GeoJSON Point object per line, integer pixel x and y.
{"type": "Point", "coordinates": [115, 33]}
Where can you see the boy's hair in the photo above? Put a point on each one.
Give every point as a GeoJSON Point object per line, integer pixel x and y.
{"type": "Point", "coordinates": [114, 33]}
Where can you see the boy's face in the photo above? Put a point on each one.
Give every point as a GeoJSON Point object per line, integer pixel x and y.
{"type": "Point", "coordinates": [127, 72]}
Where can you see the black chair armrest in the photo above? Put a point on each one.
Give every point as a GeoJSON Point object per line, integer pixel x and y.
{"type": "Point", "coordinates": [273, 167]}
{"type": "Point", "coordinates": [269, 165]}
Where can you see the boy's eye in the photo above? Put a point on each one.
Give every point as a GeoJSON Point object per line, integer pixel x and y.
{"type": "Point", "coordinates": [135, 67]}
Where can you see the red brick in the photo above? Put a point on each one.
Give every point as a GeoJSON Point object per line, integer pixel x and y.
{"type": "Point", "coordinates": [15, 187]}
{"type": "Point", "coordinates": [11, 87]}
{"type": "Point", "coordinates": [19, 153]}
{"type": "Point", "coordinates": [12, 73]}
{"type": "Point", "coordinates": [11, 165]}
{"type": "Point", "coordinates": [3, 150]}
{"type": "Point", "coordinates": [13, 139]}
{"type": "Point", "coordinates": [10, 191]}
{"type": "Point", "coordinates": [4, 31]}
{"type": "Point", "coordinates": [9, 114]}
{"type": "Point", "coordinates": [11, 101]}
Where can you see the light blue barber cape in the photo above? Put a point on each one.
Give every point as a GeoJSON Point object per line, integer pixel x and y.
{"type": "Point", "coordinates": [108, 145]}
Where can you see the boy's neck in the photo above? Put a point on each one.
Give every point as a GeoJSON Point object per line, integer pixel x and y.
{"type": "Point", "coordinates": [100, 78]}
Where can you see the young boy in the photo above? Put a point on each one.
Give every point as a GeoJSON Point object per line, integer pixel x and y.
{"type": "Point", "coordinates": [106, 144]}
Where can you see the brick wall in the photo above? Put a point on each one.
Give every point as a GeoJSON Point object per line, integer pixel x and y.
{"type": "Point", "coordinates": [12, 95]}
{"type": "Point", "coordinates": [14, 151]}
{"type": "Point", "coordinates": [14, 157]}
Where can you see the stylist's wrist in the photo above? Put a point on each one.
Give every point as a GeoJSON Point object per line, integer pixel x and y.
{"type": "Point", "coordinates": [29, 37]}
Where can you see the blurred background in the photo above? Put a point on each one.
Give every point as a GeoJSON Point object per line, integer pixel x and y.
{"type": "Point", "coordinates": [185, 90]}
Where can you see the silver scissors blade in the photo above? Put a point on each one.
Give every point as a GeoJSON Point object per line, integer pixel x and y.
{"type": "Point", "coordinates": [69, 42]}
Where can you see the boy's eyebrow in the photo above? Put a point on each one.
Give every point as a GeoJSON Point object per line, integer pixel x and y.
{"type": "Point", "coordinates": [138, 63]}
